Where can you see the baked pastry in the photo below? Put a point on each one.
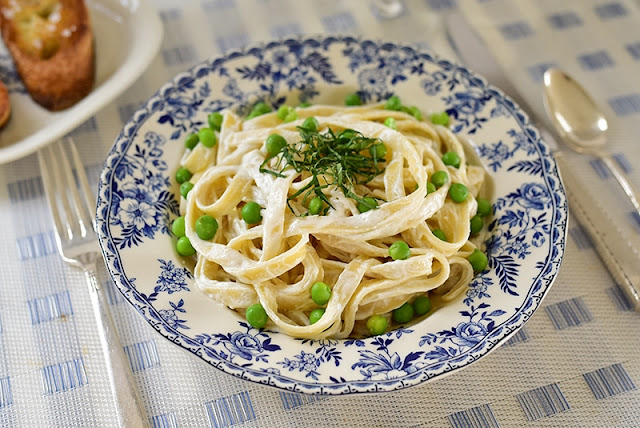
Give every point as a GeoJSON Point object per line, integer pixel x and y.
{"type": "Point", "coordinates": [51, 43]}
{"type": "Point", "coordinates": [5, 105]}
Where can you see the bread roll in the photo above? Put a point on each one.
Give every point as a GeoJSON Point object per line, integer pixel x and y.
{"type": "Point", "coordinates": [51, 43]}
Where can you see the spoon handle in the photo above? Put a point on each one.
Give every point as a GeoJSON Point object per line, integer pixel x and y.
{"type": "Point", "coordinates": [632, 193]}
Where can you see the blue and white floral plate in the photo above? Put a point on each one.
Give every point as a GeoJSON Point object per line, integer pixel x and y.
{"type": "Point", "coordinates": [138, 198]}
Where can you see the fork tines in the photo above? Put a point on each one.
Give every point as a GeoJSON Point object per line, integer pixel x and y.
{"type": "Point", "coordinates": [68, 191]}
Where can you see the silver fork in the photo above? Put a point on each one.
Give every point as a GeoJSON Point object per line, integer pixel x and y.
{"type": "Point", "coordinates": [73, 207]}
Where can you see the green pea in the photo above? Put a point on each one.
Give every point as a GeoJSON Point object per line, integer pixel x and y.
{"type": "Point", "coordinates": [320, 293]}
{"type": "Point", "coordinates": [378, 151]}
{"type": "Point", "coordinates": [439, 178]}
{"type": "Point", "coordinates": [207, 137]}
{"type": "Point", "coordinates": [404, 313]}
{"type": "Point", "coordinates": [182, 175]}
{"type": "Point", "coordinates": [258, 110]}
{"type": "Point", "coordinates": [441, 118]}
{"type": "Point", "coordinates": [367, 204]}
{"type": "Point", "coordinates": [315, 315]}
{"type": "Point", "coordinates": [376, 324]}
{"type": "Point", "coordinates": [291, 116]}
{"type": "Point", "coordinates": [438, 233]}
{"type": "Point", "coordinates": [458, 192]}
{"type": "Point", "coordinates": [311, 124]}
{"type": "Point", "coordinates": [390, 123]}
{"type": "Point", "coordinates": [399, 250]}
{"type": "Point", "coordinates": [430, 187]}
{"type": "Point", "coordinates": [393, 103]}
{"type": "Point", "coordinates": [191, 141]}
{"type": "Point", "coordinates": [304, 104]}
{"type": "Point", "coordinates": [256, 316]}
{"type": "Point", "coordinates": [484, 207]}
{"type": "Point", "coordinates": [476, 223]}
{"type": "Point", "coordinates": [478, 260]}
{"type": "Point", "coordinates": [283, 111]}
{"type": "Point", "coordinates": [316, 205]}
{"type": "Point", "coordinates": [348, 134]}
{"type": "Point", "coordinates": [206, 227]}
{"type": "Point", "coordinates": [215, 120]}
{"type": "Point", "coordinates": [415, 112]}
{"type": "Point", "coordinates": [185, 188]}
{"type": "Point", "coordinates": [353, 99]}
{"type": "Point", "coordinates": [274, 144]}
{"type": "Point", "coordinates": [451, 159]}
{"type": "Point", "coordinates": [184, 247]}
{"type": "Point", "coordinates": [178, 227]}
{"type": "Point", "coordinates": [262, 107]}
{"type": "Point", "coordinates": [421, 305]}
{"type": "Point", "coordinates": [251, 213]}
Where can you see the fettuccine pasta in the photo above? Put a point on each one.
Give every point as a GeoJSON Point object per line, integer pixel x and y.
{"type": "Point", "coordinates": [276, 261]}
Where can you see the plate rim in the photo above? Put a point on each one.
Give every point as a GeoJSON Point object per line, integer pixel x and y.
{"type": "Point", "coordinates": [538, 290]}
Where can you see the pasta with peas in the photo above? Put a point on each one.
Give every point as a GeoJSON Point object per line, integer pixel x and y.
{"type": "Point", "coordinates": [331, 222]}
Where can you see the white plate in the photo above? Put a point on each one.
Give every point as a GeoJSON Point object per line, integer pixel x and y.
{"type": "Point", "coordinates": [138, 198]}
{"type": "Point", "coordinates": [127, 36]}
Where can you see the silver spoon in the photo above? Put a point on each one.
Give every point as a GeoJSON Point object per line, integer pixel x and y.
{"type": "Point", "coordinates": [581, 124]}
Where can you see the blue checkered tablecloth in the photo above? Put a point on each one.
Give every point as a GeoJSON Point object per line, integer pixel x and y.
{"type": "Point", "coordinates": [574, 364]}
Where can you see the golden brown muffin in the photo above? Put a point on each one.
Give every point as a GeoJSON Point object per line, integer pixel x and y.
{"type": "Point", "coordinates": [51, 43]}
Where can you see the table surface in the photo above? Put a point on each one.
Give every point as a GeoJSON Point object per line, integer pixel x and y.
{"type": "Point", "coordinates": [574, 364]}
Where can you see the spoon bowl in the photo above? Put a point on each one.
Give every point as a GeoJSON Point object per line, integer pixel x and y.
{"type": "Point", "coordinates": [580, 124]}
{"type": "Point", "coordinates": [575, 115]}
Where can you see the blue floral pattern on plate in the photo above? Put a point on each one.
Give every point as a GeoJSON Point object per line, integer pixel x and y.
{"type": "Point", "coordinates": [138, 198]}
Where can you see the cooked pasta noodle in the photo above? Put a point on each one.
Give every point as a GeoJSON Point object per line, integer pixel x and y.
{"type": "Point", "coordinates": [276, 261]}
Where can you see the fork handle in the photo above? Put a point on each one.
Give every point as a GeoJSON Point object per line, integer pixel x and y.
{"type": "Point", "coordinates": [128, 409]}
